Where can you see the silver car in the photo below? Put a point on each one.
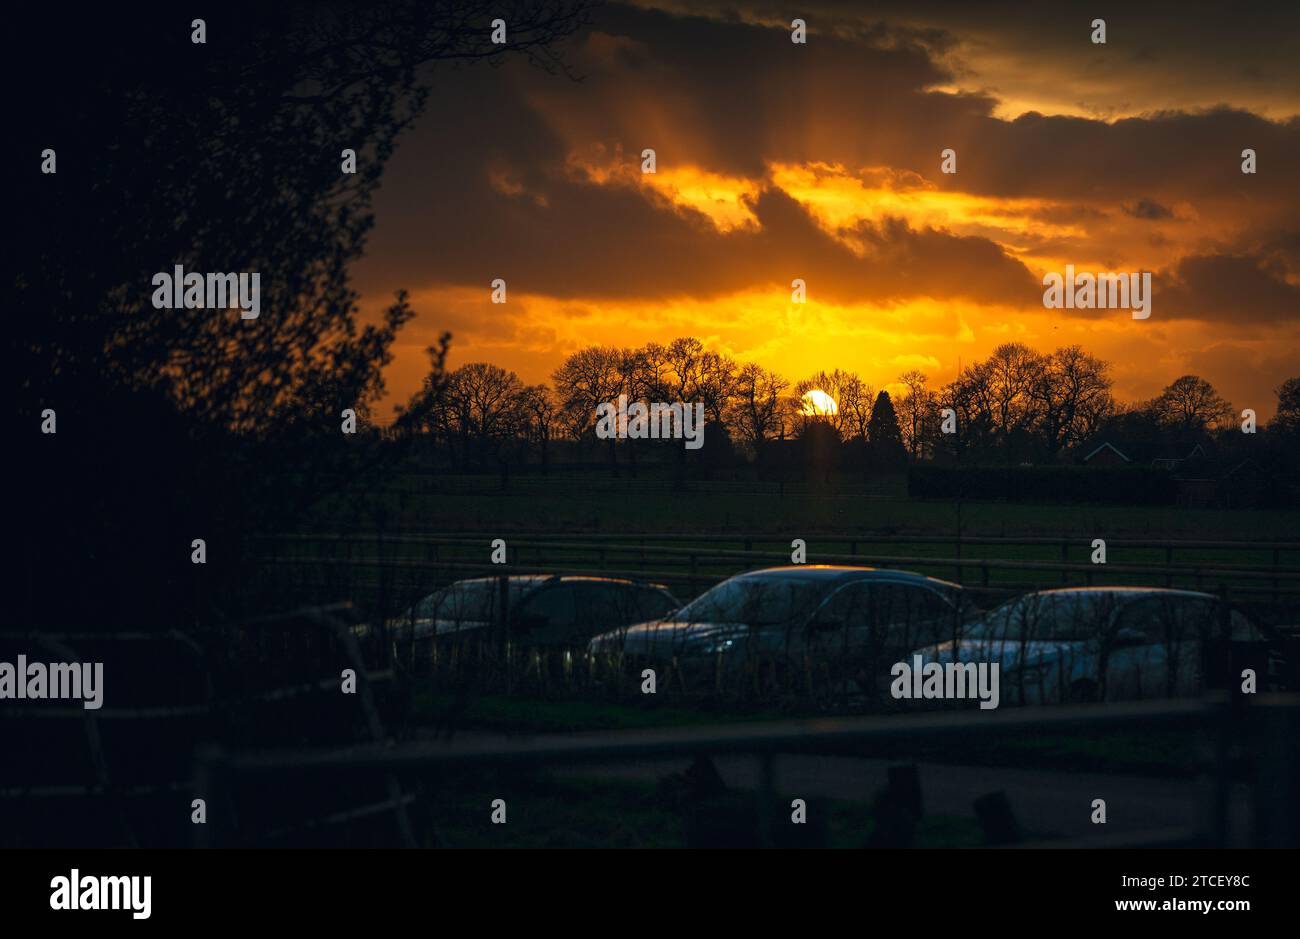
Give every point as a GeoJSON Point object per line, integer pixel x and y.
{"type": "Point", "coordinates": [1100, 643]}
{"type": "Point", "coordinates": [539, 610]}
{"type": "Point", "coordinates": [857, 618]}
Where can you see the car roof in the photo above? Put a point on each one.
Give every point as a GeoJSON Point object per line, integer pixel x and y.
{"type": "Point", "coordinates": [526, 581]}
{"type": "Point", "coordinates": [844, 573]}
{"type": "Point", "coordinates": [1063, 599]}
{"type": "Point", "coordinates": [1083, 592]}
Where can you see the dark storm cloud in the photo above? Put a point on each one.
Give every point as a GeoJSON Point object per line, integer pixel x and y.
{"type": "Point", "coordinates": [1187, 54]}
{"type": "Point", "coordinates": [739, 95]}
{"type": "Point", "coordinates": [1163, 157]}
{"type": "Point", "coordinates": [753, 96]}
{"type": "Point", "coordinates": [588, 240]}
{"type": "Point", "coordinates": [730, 97]}
{"type": "Point", "coordinates": [1240, 288]}
{"type": "Point", "coordinates": [733, 96]}
{"type": "Point", "coordinates": [442, 219]}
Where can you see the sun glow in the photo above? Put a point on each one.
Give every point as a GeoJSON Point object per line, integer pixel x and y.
{"type": "Point", "coordinates": [840, 200]}
{"type": "Point", "coordinates": [817, 403]}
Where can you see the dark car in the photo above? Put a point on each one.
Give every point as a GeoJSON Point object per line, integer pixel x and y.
{"type": "Point", "coordinates": [859, 618]}
{"type": "Point", "coordinates": [539, 610]}
{"type": "Point", "coordinates": [1114, 643]}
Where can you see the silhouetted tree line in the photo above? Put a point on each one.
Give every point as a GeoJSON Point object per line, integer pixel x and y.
{"type": "Point", "coordinates": [1017, 406]}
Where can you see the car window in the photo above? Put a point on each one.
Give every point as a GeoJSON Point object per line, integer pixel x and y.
{"type": "Point", "coordinates": [887, 605]}
{"type": "Point", "coordinates": [850, 605]}
{"type": "Point", "coordinates": [911, 614]}
{"type": "Point", "coordinates": [424, 608]}
{"type": "Point", "coordinates": [1164, 619]}
{"type": "Point", "coordinates": [1064, 616]}
{"type": "Point", "coordinates": [468, 600]}
{"type": "Point", "coordinates": [927, 606]}
{"type": "Point", "coordinates": [1146, 616]}
{"type": "Point", "coordinates": [550, 605]}
{"type": "Point", "coordinates": [652, 603]}
{"type": "Point", "coordinates": [475, 599]}
{"type": "Point", "coordinates": [757, 601]}
{"type": "Point", "coordinates": [1008, 621]}
{"type": "Point", "coordinates": [607, 606]}
{"type": "Point", "coordinates": [1243, 630]}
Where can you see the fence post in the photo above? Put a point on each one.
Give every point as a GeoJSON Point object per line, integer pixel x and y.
{"type": "Point", "coordinates": [209, 785]}
{"type": "Point", "coordinates": [1277, 560]}
{"type": "Point", "coordinates": [1277, 822]}
{"type": "Point", "coordinates": [503, 598]}
{"type": "Point", "coordinates": [767, 799]}
{"type": "Point", "coordinates": [957, 546]}
{"type": "Point", "coordinates": [1229, 721]}
{"type": "Point", "coordinates": [373, 722]}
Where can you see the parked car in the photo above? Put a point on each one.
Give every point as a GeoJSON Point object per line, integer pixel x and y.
{"type": "Point", "coordinates": [1112, 643]}
{"type": "Point", "coordinates": [1289, 667]}
{"type": "Point", "coordinates": [859, 618]}
{"type": "Point", "coordinates": [540, 610]}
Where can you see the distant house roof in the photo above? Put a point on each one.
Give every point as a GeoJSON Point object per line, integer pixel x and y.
{"type": "Point", "coordinates": [1107, 445]}
{"type": "Point", "coordinates": [1212, 469]}
{"type": "Point", "coordinates": [1196, 461]}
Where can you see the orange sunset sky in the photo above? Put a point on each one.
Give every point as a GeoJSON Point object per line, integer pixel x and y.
{"type": "Point", "coordinates": [822, 162]}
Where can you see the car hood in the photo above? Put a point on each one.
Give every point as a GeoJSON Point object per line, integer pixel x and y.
{"type": "Point", "coordinates": [672, 637]}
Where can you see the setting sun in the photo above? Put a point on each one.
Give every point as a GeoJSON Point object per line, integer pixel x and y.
{"type": "Point", "coordinates": [817, 403]}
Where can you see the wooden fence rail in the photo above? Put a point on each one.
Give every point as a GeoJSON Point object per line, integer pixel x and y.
{"type": "Point", "coordinates": [694, 565]}
{"type": "Point", "coordinates": [1276, 716]}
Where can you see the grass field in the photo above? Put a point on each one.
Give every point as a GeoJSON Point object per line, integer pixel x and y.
{"type": "Point", "coordinates": [598, 502]}
{"type": "Point", "coordinates": [705, 519]}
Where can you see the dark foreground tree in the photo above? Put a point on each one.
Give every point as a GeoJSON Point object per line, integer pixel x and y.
{"type": "Point", "coordinates": [177, 424]}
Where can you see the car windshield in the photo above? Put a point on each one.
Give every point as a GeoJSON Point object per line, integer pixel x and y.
{"type": "Point", "coordinates": [654, 604]}
{"type": "Point", "coordinates": [755, 601]}
{"type": "Point", "coordinates": [1083, 615]}
{"type": "Point", "coordinates": [1048, 616]}
{"type": "Point", "coordinates": [471, 600]}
